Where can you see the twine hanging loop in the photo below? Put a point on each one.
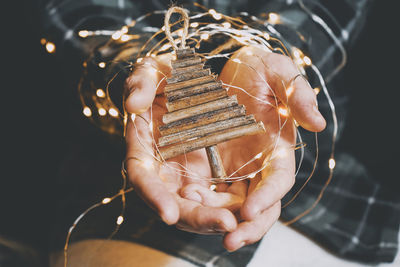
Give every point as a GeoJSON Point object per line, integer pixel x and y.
{"type": "Point", "coordinates": [185, 18]}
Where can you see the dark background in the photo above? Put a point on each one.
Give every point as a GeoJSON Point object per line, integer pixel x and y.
{"type": "Point", "coordinates": [40, 116]}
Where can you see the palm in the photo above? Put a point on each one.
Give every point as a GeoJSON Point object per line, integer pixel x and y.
{"type": "Point", "coordinates": [261, 101]}
{"type": "Point", "coordinates": [181, 197]}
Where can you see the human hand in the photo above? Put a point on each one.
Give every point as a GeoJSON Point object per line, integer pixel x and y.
{"type": "Point", "coordinates": [250, 68]}
{"type": "Point", "coordinates": [157, 183]}
{"type": "Point", "coordinates": [191, 204]}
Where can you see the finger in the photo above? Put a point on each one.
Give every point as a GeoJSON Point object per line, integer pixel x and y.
{"type": "Point", "coordinates": [201, 219]}
{"type": "Point", "coordinates": [209, 198]}
{"type": "Point", "coordinates": [238, 188]}
{"type": "Point", "coordinates": [281, 75]}
{"type": "Point", "coordinates": [249, 232]}
{"type": "Point", "coordinates": [144, 83]}
{"type": "Point", "coordinates": [221, 187]}
{"type": "Point", "coordinates": [294, 89]}
{"type": "Point", "coordinates": [303, 106]}
{"type": "Point", "coordinates": [142, 173]}
{"type": "Point", "coordinates": [277, 179]}
{"type": "Point", "coordinates": [196, 168]}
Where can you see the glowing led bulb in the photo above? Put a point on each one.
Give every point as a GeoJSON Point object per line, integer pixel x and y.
{"type": "Point", "coordinates": [102, 65]}
{"type": "Point", "coordinates": [133, 117]}
{"type": "Point", "coordinates": [213, 187]}
{"type": "Point", "coordinates": [299, 61]}
{"type": "Point", "coordinates": [100, 93]}
{"type": "Point", "coordinates": [283, 111]}
{"type": "Point", "coordinates": [267, 36]}
{"type": "Point", "coordinates": [236, 60]}
{"type": "Point", "coordinates": [307, 61]}
{"type": "Point", "coordinates": [217, 16]}
{"type": "Point", "coordinates": [273, 18]}
{"type": "Point", "coordinates": [139, 60]}
{"type": "Point", "coordinates": [113, 112]}
{"type": "Point", "coordinates": [102, 112]}
{"type": "Point", "coordinates": [87, 111]}
{"type": "Point", "coordinates": [296, 53]}
{"type": "Point", "coordinates": [259, 155]}
{"type": "Point", "coordinates": [120, 220]}
{"type": "Point", "coordinates": [116, 35]}
{"type": "Point", "coordinates": [204, 36]}
{"type": "Point", "coordinates": [252, 175]}
{"type": "Point", "coordinates": [83, 33]}
{"type": "Point", "coordinates": [106, 200]}
{"type": "Point", "coordinates": [317, 90]}
{"type": "Point", "coordinates": [124, 29]}
{"type": "Point", "coordinates": [50, 47]}
{"type": "Point", "coordinates": [214, 13]}
{"type": "Point", "coordinates": [332, 163]}
{"type": "Point", "coordinates": [194, 24]}
{"type": "Point", "coordinates": [226, 25]}
{"type": "Point", "coordinates": [289, 90]}
{"type": "Point", "coordinates": [151, 126]}
{"type": "Point", "coordinates": [125, 38]}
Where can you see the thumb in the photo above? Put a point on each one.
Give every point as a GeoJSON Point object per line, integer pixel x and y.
{"type": "Point", "coordinates": [144, 83]}
{"type": "Point", "coordinates": [207, 197]}
{"type": "Point", "coordinates": [302, 102]}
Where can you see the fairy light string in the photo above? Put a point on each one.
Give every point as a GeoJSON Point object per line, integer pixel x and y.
{"type": "Point", "coordinates": [199, 31]}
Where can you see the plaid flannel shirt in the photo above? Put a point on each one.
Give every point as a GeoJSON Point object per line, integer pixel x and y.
{"type": "Point", "coordinates": [357, 218]}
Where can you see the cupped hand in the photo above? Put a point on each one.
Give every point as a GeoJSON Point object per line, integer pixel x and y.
{"type": "Point", "coordinates": [160, 184]}
{"type": "Point", "coordinates": [243, 210]}
{"type": "Point", "coordinates": [277, 95]}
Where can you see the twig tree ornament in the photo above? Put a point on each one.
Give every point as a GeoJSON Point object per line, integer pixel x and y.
{"type": "Point", "coordinates": [200, 112]}
{"type": "Point", "coordinates": [207, 124]}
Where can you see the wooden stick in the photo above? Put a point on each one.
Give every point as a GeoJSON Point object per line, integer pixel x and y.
{"type": "Point", "coordinates": [183, 53]}
{"type": "Point", "coordinates": [216, 165]}
{"type": "Point", "coordinates": [195, 100]}
{"type": "Point", "coordinates": [189, 83]}
{"type": "Point", "coordinates": [202, 108]}
{"type": "Point", "coordinates": [212, 139]}
{"type": "Point", "coordinates": [188, 75]}
{"type": "Point", "coordinates": [202, 119]}
{"type": "Point", "coordinates": [185, 62]}
{"type": "Point", "coordinates": [185, 92]}
{"type": "Point", "coordinates": [187, 69]}
{"type": "Point", "coordinates": [204, 130]}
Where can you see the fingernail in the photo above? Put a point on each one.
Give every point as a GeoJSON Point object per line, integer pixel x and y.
{"type": "Point", "coordinates": [194, 196]}
{"type": "Point", "coordinates": [220, 227]}
{"type": "Point", "coordinates": [219, 230]}
{"type": "Point", "coordinates": [239, 247]}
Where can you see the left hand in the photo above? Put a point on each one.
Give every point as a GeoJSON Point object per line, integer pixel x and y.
{"type": "Point", "coordinates": [260, 197]}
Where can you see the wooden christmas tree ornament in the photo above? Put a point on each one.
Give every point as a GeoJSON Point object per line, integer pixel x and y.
{"type": "Point", "coordinates": [200, 112]}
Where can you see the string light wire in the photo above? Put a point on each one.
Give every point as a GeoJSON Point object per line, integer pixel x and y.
{"type": "Point", "coordinates": [239, 34]}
